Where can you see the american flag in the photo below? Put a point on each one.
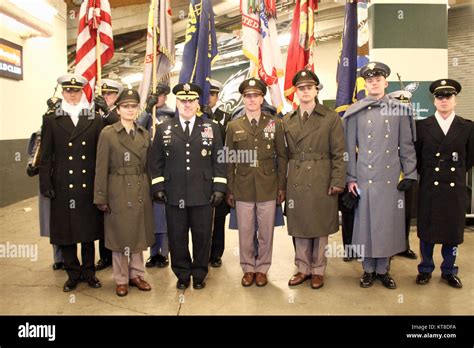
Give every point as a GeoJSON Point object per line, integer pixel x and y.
{"type": "Point", "coordinates": [94, 16]}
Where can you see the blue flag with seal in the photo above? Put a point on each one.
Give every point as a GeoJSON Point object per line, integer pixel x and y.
{"type": "Point", "coordinates": [200, 48]}
{"type": "Point", "coordinates": [354, 55]}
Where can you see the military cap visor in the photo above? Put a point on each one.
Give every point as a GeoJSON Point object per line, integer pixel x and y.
{"type": "Point", "coordinates": [305, 77]}
{"type": "Point", "coordinates": [253, 86]}
{"type": "Point", "coordinates": [128, 96]}
{"type": "Point", "coordinates": [401, 95]}
{"type": "Point", "coordinates": [216, 86]}
{"type": "Point", "coordinates": [187, 91]}
{"type": "Point", "coordinates": [374, 69]}
{"type": "Point", "coordinates": [445, 87]}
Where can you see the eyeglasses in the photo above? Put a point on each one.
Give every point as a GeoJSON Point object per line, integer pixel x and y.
{"type": "Point", "coordinates": [129, 106]}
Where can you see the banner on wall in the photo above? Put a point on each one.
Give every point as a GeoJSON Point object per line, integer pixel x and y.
{"type": "Point", "coordinates": [11, 60]}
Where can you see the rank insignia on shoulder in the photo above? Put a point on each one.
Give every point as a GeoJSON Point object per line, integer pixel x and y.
{"type": "Point", "coordinates": [215, 121]}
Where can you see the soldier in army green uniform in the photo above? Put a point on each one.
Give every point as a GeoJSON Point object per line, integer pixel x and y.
{"type": "Point", "coordinates": [256, 179]}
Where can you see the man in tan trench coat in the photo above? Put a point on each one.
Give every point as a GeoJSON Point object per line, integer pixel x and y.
{"type": "Point", "coordinates": [316, 175]}
{"type": "Point", "coordinates": [122, 192]}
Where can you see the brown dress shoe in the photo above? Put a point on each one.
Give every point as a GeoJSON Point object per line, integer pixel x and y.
{"type": "Point", "coordinates": [298, 278]}
{"type": "Point", "coordinates": [140, 283]}
{"type": "Point", "coordinates": [121, 289]}
{"type": "Point", "coordinates": [248, 279]}
{"type": "Point", "coordinates": [260, 279]}
{"type": "Point", "coordinates": [317, 281]}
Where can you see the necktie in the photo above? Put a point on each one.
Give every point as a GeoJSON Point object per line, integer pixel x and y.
{"type": "Point", "coordinates": [186, 129]}
{"type": "Point", "coordinates": [132, 134]}
{"type": "Point", "coordinates": [254, 125]}
{"type": "Point", "coordinates": [305, 117]}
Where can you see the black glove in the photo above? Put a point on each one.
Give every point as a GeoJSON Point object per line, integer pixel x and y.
{"type": "Point", "coordinates": [405, 184]}
{"type": "Point", "coordinates": [349, 200]}
{"type": "Point", "coordinates": [50, 194]}
{"type": "Point", "coordinates": [101, 104]}
{"type": "Point", "coordinates": [151, 102]}
{"type": "Point", "coordinates": [216, 198]}
{"type": "Point", "coordinates": [32, 171]}
{"type": "Point", "coordinates": [52, 102]}
{"type": "Point", "coordinates": [160, 196]}
{"type": "Point", "coordinates": [205, 109]}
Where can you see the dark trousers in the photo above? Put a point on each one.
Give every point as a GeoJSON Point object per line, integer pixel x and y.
{"type": "Point", "coordinates": [71, 262]}
{"type": "Point", "coordinates": [449, 257]}
{"type": "Point", "coordinates": [199, 220]}
{"type": "Point", "coordinates": [218, 237]}
{"type": "Point", "coordinates": [105, 254]}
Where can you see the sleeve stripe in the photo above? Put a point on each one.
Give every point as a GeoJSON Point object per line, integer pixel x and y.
{"type": "Point", "coordinates": [158, 180]}
{"type": "Point", "coordinates": [220, 180]}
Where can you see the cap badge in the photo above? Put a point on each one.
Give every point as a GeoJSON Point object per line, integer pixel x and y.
{"type": "Point", "coordinates": [73, 80]}
{"type": "Point", "coordinates": [303, 73]}
{"type": "Point", "coordinates": [371, 66]}
{"type": "Point", "coordinates": [252, 83]}
{"type": "Point", "coordinates": [443, 83]}
{"type": "Point", "coordinates": [187, 87]}
{"type": "Point", "coordinates": [130, 92]}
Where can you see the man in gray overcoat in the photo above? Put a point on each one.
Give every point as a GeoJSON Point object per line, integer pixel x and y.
{"type": "Point", "coordinates": [381, 129]}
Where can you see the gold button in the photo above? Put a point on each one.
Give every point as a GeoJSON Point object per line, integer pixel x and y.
{"type": "Point", "coordinates": [187, 160]}
{"type": "Point", "coordinates": [83, 143]}
{"type": "Point", "coordinates": [387, 151]}
{"type": "Point", "coordinates": [453, 169]}
{"type": "Point", "coordinates": [71, 185]}
{"type": "Point", "coordinates": [70, 158]}
{"type": "Point", "coordinates": [370, 166]}
{"type": "Point", "coordinates": [386, 121]}
{"type": "Point", "coordinates": [370, 151]}
{"type": "Point", "coordinates": [69, 144]}
{"type": "Point", "coordinates": [388, 182]}
{"type": "Point", "coordinates": [84, 171]}
{"type": "Point", "coordinates": [388, 167]}
{"type": "Point", "coordinates": [369, 136]}
{"type": "Point", "coordinates": [386, 135]}
{"type": "Point", "coordinates": [370, 121]}
{"type": "Point", "coordinates": [256, 139]}
{"type": "Point", "coordinates": [438, 154]}
{"type": "Point", "coordinates": [369, 107]}
{"type": "Point", "coordinates": [187, 152]}
{"type": "Point", "coordinates": [187, 145]}
{"type": "Point", "coordinates": [70, 172]}
{"type": "Point", "coordinates": [370, 181]}
{"type": "Point", "coordinates": [84, 185]}
{"type": "Point", "coordinates": [452, 184]}
{"type": "Point", "coordinates": [83, 157]}
{"type": "Point", "coordinates": [187, 168]}
{"type": "Point", "coordinates": [436, 183]}
{"type": "Point", "coordinates": [437, 169]}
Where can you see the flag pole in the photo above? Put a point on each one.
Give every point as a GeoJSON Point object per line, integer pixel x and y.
{"type": "Point", "coordinates": [99, 65]}
{"type": "Point", "coordinates": [154, 82]}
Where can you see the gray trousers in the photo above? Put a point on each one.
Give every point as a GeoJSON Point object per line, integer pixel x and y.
{"type": "Point", "coordinates": [310, 255]}
{"type": "Point", "coordinates": [125, 270]}
{"type": "Point", "coordinates": [249, 261]}
{"type": "Point", "coordinates": [379, 265]}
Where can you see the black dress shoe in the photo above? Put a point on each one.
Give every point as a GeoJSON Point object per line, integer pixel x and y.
{"type": "Point", "coordinates": [93, 282]}
{"type": "Point", "coordinates": [387, 280]}
{"type": "Point", "coordinates": [70, 285]}
{"type": "Point", "coordinates": [367, 280]}
{"type": "Point", "coordinates": [217, 262]}
{"type": "Point", "coordinates": [151, 262]}
{"type": "Point", "coordinates": [182, 284]}
{"type": "Point", "coordinates": [58, 265]}
{"type": "Point", "coordinates": [102, 264]}
{"type": "Point", "coordinates": [161, 261]}
{"type": "Point", "coordinates": [453, 280]}
{"type": "Point", "coordinates": [423, 278]}
{"type": "Point", "coordinates": [198, 285]}
{"type": "Point", "coordinates": [409, 254]}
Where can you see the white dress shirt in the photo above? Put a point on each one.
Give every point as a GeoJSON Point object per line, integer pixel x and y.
{"type": "Point", "coordinates": [191, 123]}
{"type": "Point", "coordinates": [444, 123]}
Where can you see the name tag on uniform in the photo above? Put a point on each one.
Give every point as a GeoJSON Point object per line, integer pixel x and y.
{"type": "Point", "coordinates": [239, 131]}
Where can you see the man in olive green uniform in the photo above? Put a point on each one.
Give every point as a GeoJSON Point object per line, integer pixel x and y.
{"type": "Point", "coordinates": [256, 179]}
{"type": "Point", "coordinates": [316, 175]}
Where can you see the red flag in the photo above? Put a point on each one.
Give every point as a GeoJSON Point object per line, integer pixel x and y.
{"type": "Point", "coordinates": [302, 43]}
{"type": "Point", "coordinates": [94, 16]}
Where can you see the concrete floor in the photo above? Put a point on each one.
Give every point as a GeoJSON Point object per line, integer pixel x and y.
{"type": "Point", "coordinates": [33, 288]}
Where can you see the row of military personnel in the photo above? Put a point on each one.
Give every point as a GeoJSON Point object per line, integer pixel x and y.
{"type": "Point", "coordinates": [105, 177]}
